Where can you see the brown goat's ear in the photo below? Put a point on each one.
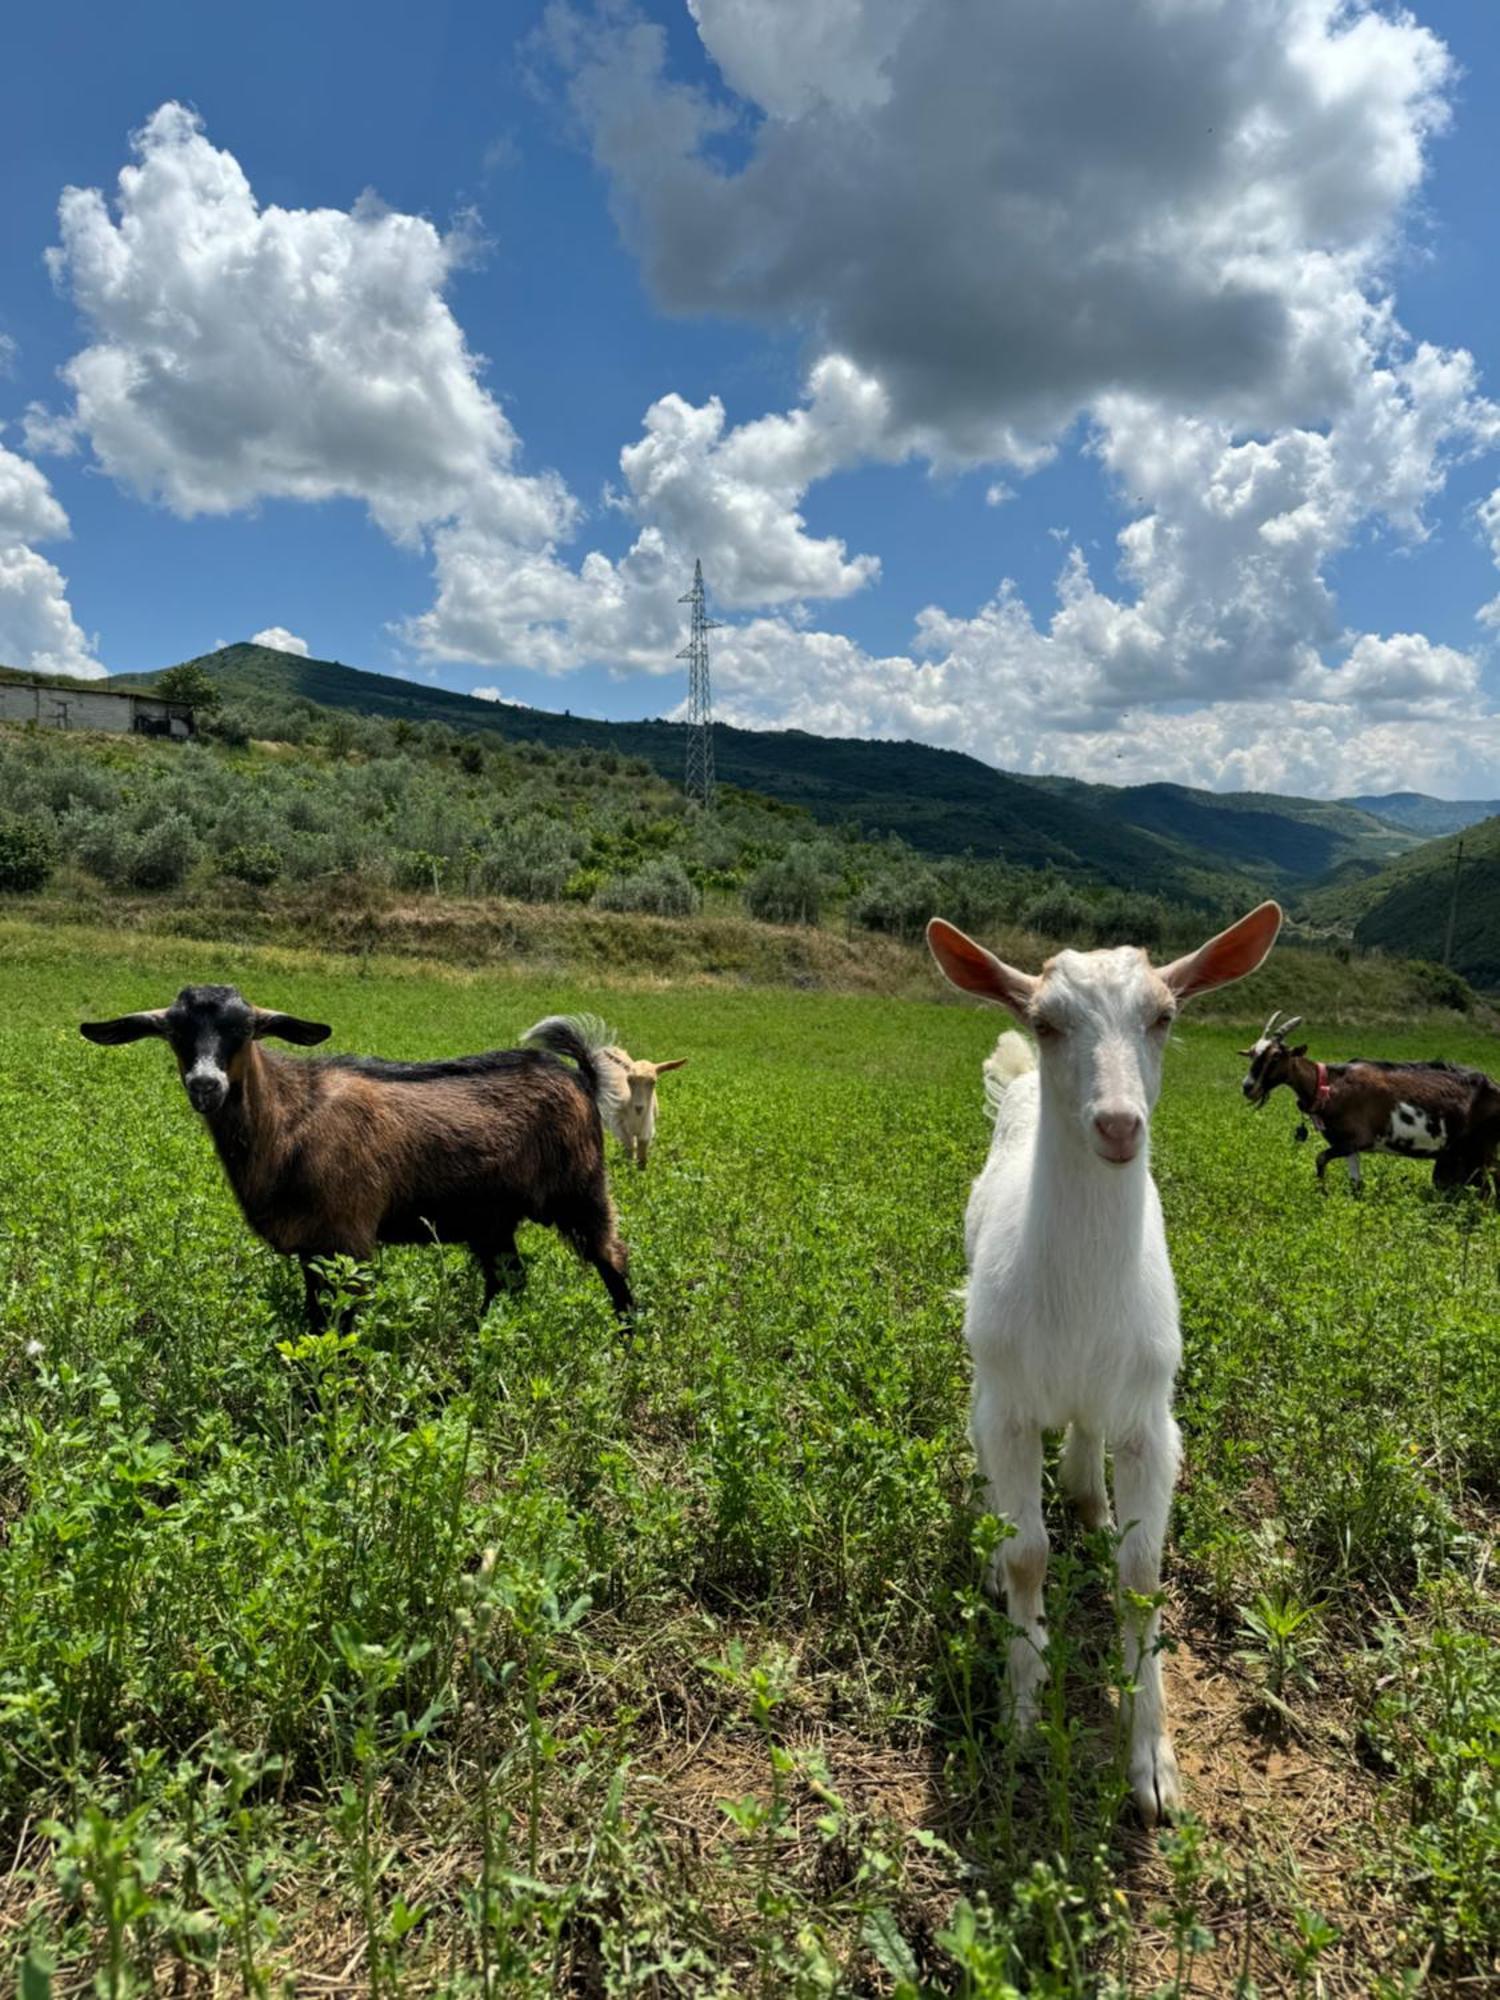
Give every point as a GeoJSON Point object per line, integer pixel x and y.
{"type": "Point", "coordinates": [1300, 1050]}
{"type": "Point", "coordinates": [974, 970]}
{"type": "Point", "coordinates": [289, 1028]}
{"type": "Point", "coordinates": [1233, 954]}
{"type": "Point", "coordinates": [675, 1063]}
{"type": "Point", "coordinates": [128, 1028]}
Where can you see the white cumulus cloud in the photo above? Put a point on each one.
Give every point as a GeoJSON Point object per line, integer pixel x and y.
{"type": "Point", "coordinates": [280, 640]}
{"type": "Point", "coordinates": [37, 627]}
{"type": "Point", "coordinates": [1161, 233]}
{"type": "Point", "coordinates": [1175, 222]}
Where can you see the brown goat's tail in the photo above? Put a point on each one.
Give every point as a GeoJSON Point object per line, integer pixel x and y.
{"type": "Point", "coordinates": [576, 1036]}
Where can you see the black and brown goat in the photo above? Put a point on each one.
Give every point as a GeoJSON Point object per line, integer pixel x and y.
{"type": "Point", "coordinates": [1422, 1110]}
{"type": "Point", "coordinates": [333, 1155]}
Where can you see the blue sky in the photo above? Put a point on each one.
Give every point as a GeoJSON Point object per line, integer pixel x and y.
{"type": "Point", "coordinates": [951, 370]}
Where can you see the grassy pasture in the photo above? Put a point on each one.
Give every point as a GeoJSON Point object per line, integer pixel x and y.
{"type": "Point", "coordinates": [512, 1660]}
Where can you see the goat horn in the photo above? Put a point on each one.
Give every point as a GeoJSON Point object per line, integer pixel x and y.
{"type": "Point", "coordinates": [1287, 1026]}
{"type": "Point", "coordinates": [1270, 1028]}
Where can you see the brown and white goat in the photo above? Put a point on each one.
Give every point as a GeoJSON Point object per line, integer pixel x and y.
{"type": "Point", "coordinates": [1421, 1110]}
{"type": "Point", "coordinates": [627, 1083]}
{"type": "Point", "coordinates": [334, 1155]}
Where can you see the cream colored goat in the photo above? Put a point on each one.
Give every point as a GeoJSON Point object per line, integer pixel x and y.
{"type": "Point", "coordinates": [1071, 1307]}
{"type": "Point", "coordinates": [627, 1083]}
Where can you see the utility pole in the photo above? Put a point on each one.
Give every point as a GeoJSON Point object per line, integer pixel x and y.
{"type": "Point", "coordinates": [1458, 862]}
{"type": "Point", "coordinates": [699, 779]}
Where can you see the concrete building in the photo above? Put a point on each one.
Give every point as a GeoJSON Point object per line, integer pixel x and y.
{"type": "Point", "coordinates": [82, 707]}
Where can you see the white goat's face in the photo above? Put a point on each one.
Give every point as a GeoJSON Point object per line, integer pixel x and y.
{"type": "Point", "coordinates": [1101, 1020]}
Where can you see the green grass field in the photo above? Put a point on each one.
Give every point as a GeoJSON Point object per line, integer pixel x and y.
{"type": "Point", "coordinates": [517, 1660]}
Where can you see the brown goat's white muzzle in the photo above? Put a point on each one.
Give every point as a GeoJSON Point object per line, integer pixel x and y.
{"type": "Point", "coordinates": [207, 1087]}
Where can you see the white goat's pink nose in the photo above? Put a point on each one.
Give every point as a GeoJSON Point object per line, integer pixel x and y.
{"type": "Point", "coordinates": [1121, 1132]}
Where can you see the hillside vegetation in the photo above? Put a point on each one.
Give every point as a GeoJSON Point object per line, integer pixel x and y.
{"type": "Point", "coordinates": [1404, 908]}
{"type": "Point", "coordinates": [1167, 840]}
{"type": "Point", "coordinates": [291, 822]}
{"type": "Point", "coordinates": [281, 800]}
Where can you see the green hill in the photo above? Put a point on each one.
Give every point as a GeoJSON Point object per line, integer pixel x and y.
{"type": "Point", "coordinates": [1185, 845]}
{"type": "Point", "coordinates": [1422, 814]}
{"type": "Point", "coordinates": [1292, 839]}
{"type": "Point", "coordinates": [1404, 908]}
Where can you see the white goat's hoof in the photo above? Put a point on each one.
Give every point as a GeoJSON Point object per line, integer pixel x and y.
{"type": "Point", "coordinates": [1023, 1707]}
{"type": "Point", "coordinates": [1155, 1781]}
{"type": "Point", "coordinates": [1024, 1682]}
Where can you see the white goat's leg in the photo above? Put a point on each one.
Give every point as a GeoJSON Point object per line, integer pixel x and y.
{"type": "Point", "coordinates": [1145, 1472]}
{"type": "Point", "coordinates": [1010, 1457]}
{"type": "Point", "coordinates": [1352, 1163]}
{"type": "Point", "coordinates": [1082, 1474]}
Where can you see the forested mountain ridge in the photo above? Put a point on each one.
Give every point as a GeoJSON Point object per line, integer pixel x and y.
{"type": "Point", "coordinates": [1170, 840]}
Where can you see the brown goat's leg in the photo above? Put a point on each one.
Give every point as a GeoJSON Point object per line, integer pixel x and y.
{"type": "Point", "coordinates": [588, 1223]}
{"type": "Point", "coordinates": [611, 1264]}
{"type": "Point", "coordinates": [500, 1262]}
{"type": "Point", "coordinates": [315, 1295]}
{"type": "Point", "coordinates": [320, 1317]}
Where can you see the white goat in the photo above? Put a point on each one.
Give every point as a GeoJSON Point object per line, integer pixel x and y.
{"type": "Point", "coordinates": [627, 1084]}
{"type": "Point", "coordinates": [1071, 1306]}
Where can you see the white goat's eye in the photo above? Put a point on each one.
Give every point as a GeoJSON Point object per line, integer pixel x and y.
{"type": "Point", "coordinates": [1163, 1021]}
{"type": "Point", "coordinates": [1045, 1031]}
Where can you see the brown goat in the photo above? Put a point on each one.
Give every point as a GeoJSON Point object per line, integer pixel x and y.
{"type": "Point", "coordinates": [1422, 1110]}
{"type": "Point", "coordinates": [333, 1156]}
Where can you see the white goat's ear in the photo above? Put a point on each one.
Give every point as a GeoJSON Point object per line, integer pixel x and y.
{"type": "Point", "coordinates": [1233, 954]}
{"type": "Point", "coordinates": [974, 970]}
{"type": "Point", "coordinates": [675, 1063]}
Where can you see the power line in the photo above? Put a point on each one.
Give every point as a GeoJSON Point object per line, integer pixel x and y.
{"type": "Point", "coordinates": [1458, 862]}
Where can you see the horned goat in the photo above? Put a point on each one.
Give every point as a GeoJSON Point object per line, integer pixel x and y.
{"type": "Point", "coordinates": [1421, 1110]}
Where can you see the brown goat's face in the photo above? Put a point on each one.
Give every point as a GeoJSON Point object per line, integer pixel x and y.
{"type": "Point", "coordinates": [209, 1029]}
{"type": "Point", "coordinates": [1270, 1067]}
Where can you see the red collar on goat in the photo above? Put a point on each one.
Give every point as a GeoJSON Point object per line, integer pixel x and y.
{"type": "Point", "coordinates": [1320, 1100]}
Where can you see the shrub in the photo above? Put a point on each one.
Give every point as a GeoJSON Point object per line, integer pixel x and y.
{"type": "Point", "coordinates": [415, 868]}
{"type": "Point", "coordinates": [530, 859]}
{"type": "Point", "coordinates": [163, 853]}
{"type": "Point", "coordinates": [234, 726]}
{"type": "Point", "coordinates": [1440, 987]}
{"type": "Point", "coordinates": [898, 904]}
{"type": "Point", "coordinates": [1058, 912]}
{"type": "Point", "coordinates": [1123, 918]}
{"type": "Point", "coordinates": [660, 889]}
{"type": "Point", "coordinates": [583, 885]}
{"type": "Point", "coordinates": [103, 846]}
{"type": "Point", "coordinates": [789, 890]}
{"type": "Point", "coordinates": [28, 849]}
{"type": "Point", "coordinates": [255, 862]}
{"type": "Point", "coordinates": [188, 683]}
